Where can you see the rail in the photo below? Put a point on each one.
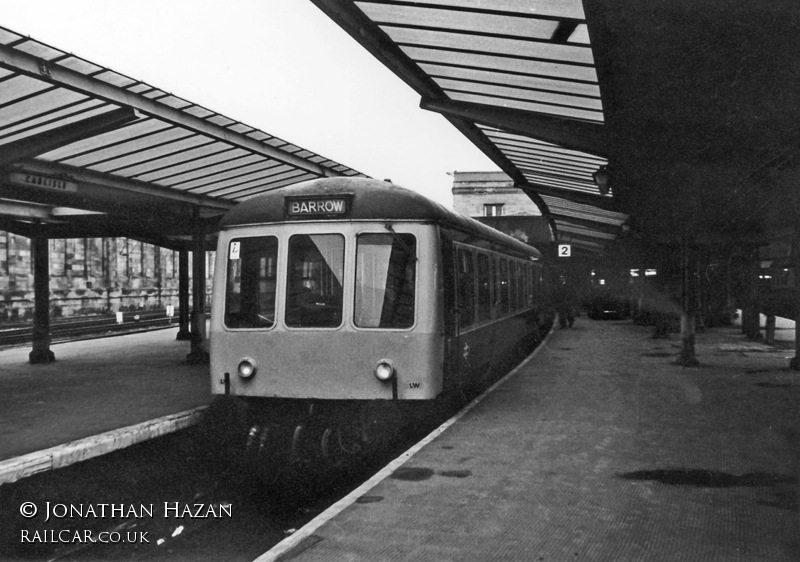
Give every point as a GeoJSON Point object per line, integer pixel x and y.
{"type": "Point", "coordinates": [89, 327]}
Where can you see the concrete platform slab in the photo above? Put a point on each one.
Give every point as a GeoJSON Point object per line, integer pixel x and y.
{"type": "Point", "coordinates": [599, 448]}
{"type": "Point", "coordinates": [94, 387]}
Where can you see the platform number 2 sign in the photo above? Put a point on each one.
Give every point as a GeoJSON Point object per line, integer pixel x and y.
{"type": "Point", "coordinates": [564, 250]}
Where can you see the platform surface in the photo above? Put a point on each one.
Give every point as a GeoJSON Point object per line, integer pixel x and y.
{"type": "Point", "coordinates": [95, 386]}
{"type": "Point", "coordinates": [598, 448]}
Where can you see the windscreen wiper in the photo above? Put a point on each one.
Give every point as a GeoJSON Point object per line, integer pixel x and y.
{"type": "Point", "coordinates": [400, 241]}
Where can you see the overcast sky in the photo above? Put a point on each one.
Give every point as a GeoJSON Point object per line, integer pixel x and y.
{"type": "Point", "coordinates": [281, 66]}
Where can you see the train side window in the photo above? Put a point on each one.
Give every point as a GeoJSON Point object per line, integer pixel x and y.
{"type": "Point", "coordinates": [496, 284]}
{"type": "Point", "coordinates": [484, 292]}
{"type": "Point", "coordinates": [523, 285]}
{"type": "Point", "coordinates": [503, 286]}
{"type": "Point", "coordinates": [528, 287]}
{"type": "Point", "coordinates": [532, 286]}
{"type": "Point", "coordinates": [250, 289]}
{"type": "Point", "coordinates": [523, 279]}
{"type": "Point", "coordinates": [466, 289]}
{"type": "Point", "coordinates": [315, 276]}
{"type": "Point", "coordinates": [513, 285]}
{"type": "Point", "coordinates": [385, 281]}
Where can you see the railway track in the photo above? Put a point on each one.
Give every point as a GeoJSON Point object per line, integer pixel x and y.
{"type": "Point", "coordinates": [88, 327]}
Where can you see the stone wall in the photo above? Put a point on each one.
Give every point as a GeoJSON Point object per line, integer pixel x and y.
{"type": "Point", "coordinates": [91, 276]}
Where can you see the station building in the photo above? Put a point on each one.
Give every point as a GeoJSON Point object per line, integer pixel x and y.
{"type": "Point", "coordinates": [493, 199]}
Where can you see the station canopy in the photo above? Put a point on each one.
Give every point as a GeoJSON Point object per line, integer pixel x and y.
{"type": "Point", "coordinates": [87, 151]}
{"type": "Point", "coordinates": [659, 119]}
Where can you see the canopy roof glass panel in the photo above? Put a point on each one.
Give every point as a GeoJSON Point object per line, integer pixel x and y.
{"type": "Point", "coordinates": [479, 42]}
{"type": "Point", "coordinates": [166, 142]}
{"type": "Point", "coordinates": [565, 208]}
{"type": "Point", "coordinates": [502, 72]}
{"type": "Point", "coordinates": [547, 164]}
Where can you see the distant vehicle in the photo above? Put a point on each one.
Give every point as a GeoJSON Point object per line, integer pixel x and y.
{"type": "Point", "coordinates": [606, 308]}
{"type": "Point", "coordinates": [344, 308]}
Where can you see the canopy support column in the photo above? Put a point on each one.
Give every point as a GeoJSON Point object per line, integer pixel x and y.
{"type": "Point", "coordinates": [640, 296]}
{"type": "Point", "coordinates": [198, 355]}
{"type": "Point", "coordinates": [751, 321]}
{"type": "Point", "coordinates": [794, 363]}
{"type": "Point", "coordinates": [183, 296]}
{"type": "Point", "coordinates": [687, 357]}
{"type": "Point", "coordinates": [769, 329]}
{"type": "Point", "coordinates": [41, 352]}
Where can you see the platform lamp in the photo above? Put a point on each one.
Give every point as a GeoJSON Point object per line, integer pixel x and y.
{"type": "Point", "coordinates": [601, 180]}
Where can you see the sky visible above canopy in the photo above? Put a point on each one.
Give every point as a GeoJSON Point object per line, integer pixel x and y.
{"type": "Point", "coordinates": [281, 66]}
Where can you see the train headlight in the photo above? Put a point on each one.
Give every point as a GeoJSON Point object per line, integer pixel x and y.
{"type": "Point", "coordinates": [384, 370]}
{"type": "Point", "coordinates": [246, 368]}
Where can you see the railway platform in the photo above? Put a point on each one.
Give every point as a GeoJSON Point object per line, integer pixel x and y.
{"type": "Point", "coordinates": [99, 395]}
{"type": "Point", "coordinates": [596, 448]}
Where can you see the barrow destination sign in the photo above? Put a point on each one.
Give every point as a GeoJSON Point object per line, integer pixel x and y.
{"type": "Point", "coordinates": [317, 206]}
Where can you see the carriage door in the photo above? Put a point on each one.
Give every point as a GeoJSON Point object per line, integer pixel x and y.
{"type": "Point", "coordinates": [465, 308]}
{"type": "Point", "coordinates": [450, 307]}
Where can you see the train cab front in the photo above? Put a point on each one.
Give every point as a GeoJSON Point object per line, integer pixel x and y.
{"type": "Point", "coordinates": [327, 332]}
{"type": "Point", "coordinates": [327, 311]}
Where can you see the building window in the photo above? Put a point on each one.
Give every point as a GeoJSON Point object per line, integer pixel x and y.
{"type": "Point", "coordinates": [493, 210]}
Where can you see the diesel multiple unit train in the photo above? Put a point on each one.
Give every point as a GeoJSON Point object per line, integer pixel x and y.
{"type": "Point", "coordinates": [346, 308]}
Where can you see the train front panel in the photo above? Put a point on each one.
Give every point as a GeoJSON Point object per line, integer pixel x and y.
{"type": "Point", "coordinates": [335, 310]}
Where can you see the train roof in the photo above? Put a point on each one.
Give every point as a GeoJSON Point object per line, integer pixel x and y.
{"type": "Point", "coordinates": [369, 200]}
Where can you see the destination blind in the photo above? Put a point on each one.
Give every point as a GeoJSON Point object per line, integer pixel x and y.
{"type": "Point", "coordinates": [311, 207]}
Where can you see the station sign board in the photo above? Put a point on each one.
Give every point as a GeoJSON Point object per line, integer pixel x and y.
{"type": "Point", "coordinates": [564, 250]}
{"type": "Point", "coordinates": [38, 180]}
